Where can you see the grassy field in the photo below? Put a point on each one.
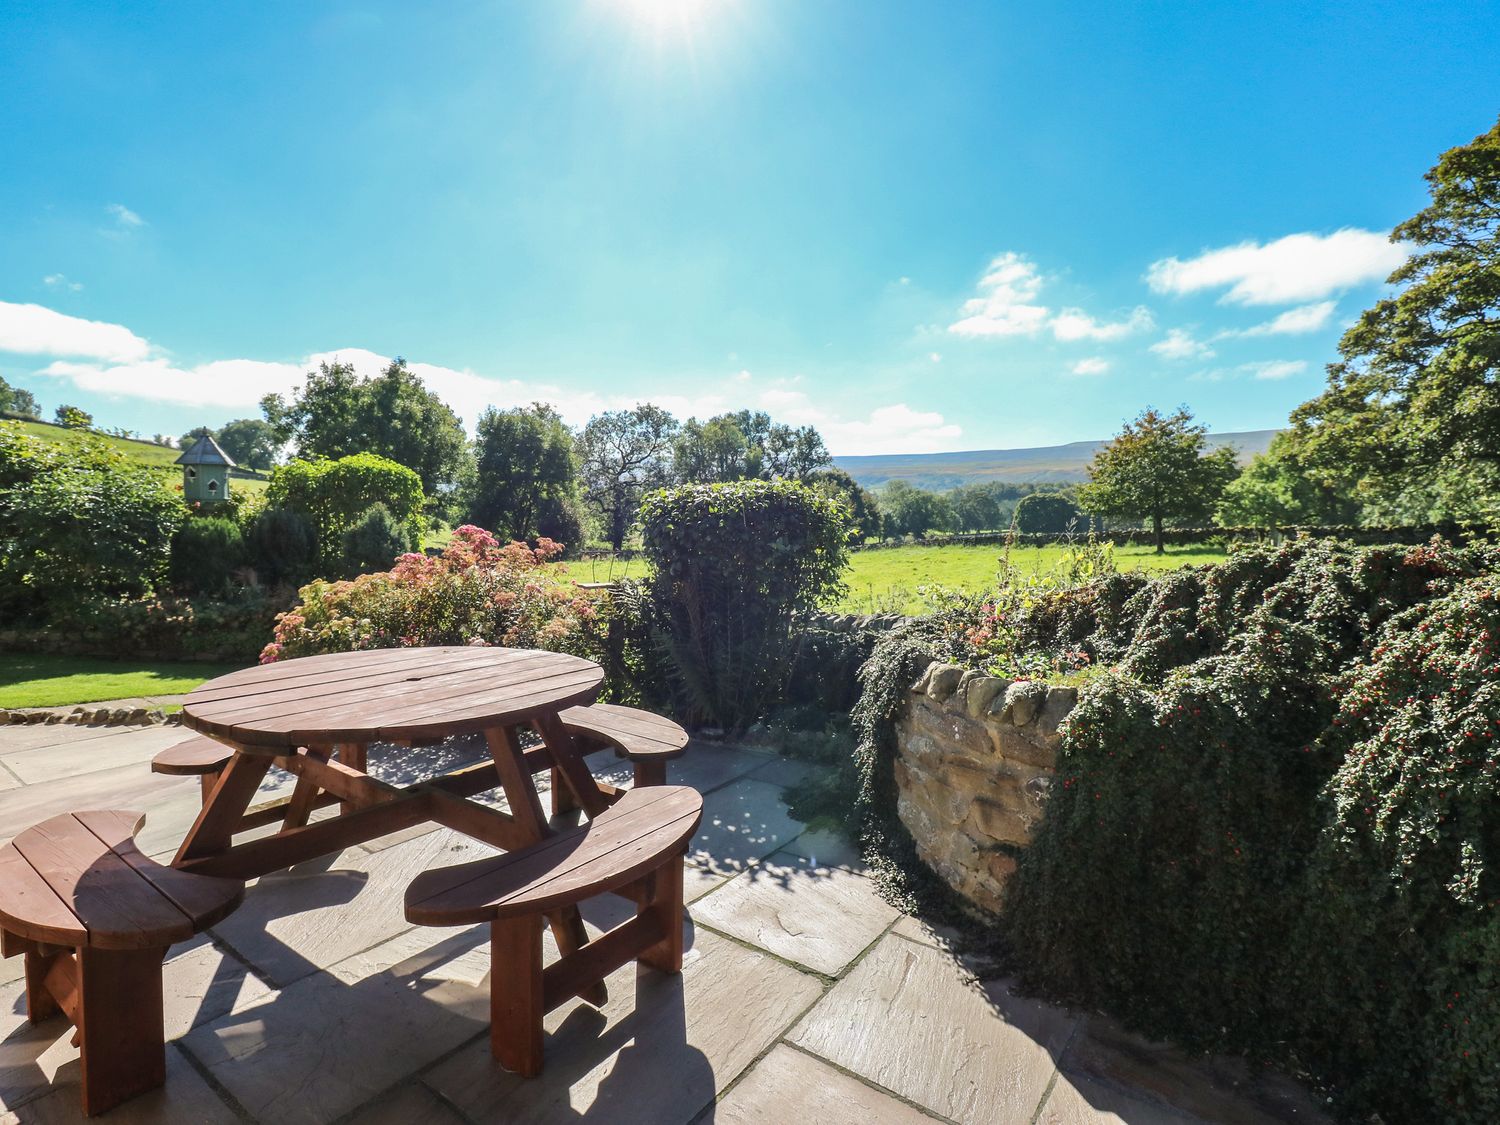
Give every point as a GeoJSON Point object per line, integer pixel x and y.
{"type": "Point", "coordinates": [884, 581]}
{"type": "Point", "coordinates": [28, 680]}
{"type": "Point", "coordinates": [143, 452]}
{"type": "Point", "coordinates": [887, 580]}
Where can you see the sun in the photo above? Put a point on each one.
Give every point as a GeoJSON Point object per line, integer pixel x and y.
{"type": "Point", "coordinates": [664, 15]}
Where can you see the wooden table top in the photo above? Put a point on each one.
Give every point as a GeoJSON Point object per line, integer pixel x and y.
{"type": "Point", "coordinates": [384, 695]}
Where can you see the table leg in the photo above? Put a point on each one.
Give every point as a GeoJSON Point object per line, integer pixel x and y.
{"type": "Point", "coordinates": [566, 760]}
{"type": "Point", "coordinates": [300, 807]}
{"type": "Point", "coordinates": [214, 829]}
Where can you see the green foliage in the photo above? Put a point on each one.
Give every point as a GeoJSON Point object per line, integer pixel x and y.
{"type": "Point", "coordinates": [1046, 512]}
{"type": "Point", "coordinates": [1157, 469]}
{"type": "Point", "coordinates": [334, 495]}
{"type": "Point", "coordinates": [252, 443]}
{"type": "Point", "coordinates": [1290, 751]}
{"type": "Point", "coordinates": [746, 445]}
{"type": "Point", "coordinates": [337, 414]}
{"type": "Point", "coordinates": [374, 540]}
{"type": "Point", "coordinates": [476, 592]}
{"type": "Point", "coordinates": [732, 567]}
{"type": "Point", "coordinates": [525, 468]}
{"type": "Point", "coordinates": [18, 401]}
{"type": "Point", "coordinates": [205, 555]}
{"type": "Point", "coordinates": [1278, 490]}
{"type": "Point", "coordinates": [859, 504]}
{"type": "Point", "coordinates": [282, 546]}
{"type": "Point", "coordinates": [73, 417]}
{"type": "Point", "coordinates": [622, 455]}
{"type": "Point", "coordinates": [1410, 422]}
{"type": "Point", "coordinates": [78, 520]}
{"type": "Point", "coordinates": [907, 510]}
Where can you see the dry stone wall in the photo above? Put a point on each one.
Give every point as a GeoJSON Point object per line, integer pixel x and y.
{"type": "Point", "coordinates": [976, 757]}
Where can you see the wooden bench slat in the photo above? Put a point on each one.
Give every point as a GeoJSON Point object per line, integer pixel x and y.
{"type": "Point", "coordinates": [204, 899]}
{"type": "Point", "coordinates": [191, 758]}
{"type": "Point", "coordinates": [618, 847]}
{"type": "Point", "coordinates": [31, 909]}
{"type": "Point", "coordinates": [636, 733]}
{"type": "Point", "coordinates": [120, 909]}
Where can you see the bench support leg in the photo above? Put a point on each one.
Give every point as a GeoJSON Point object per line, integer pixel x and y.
{"type": "Point", "coordinates": [40, 1003]}
{"type": "Point", "coordinates": [120, 1025]}
{"type": "Point", "coordinates": [516, 1004]}
{"type": "Point", "coordinates": [666, 903]}
{"type": "Point", "coordinates": [650, 773]}
{"type": "Point", "coordinates": [563, 800]}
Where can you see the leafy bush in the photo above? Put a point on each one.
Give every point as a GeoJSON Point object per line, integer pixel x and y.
{"type": "Point", "coordinates": [476, 592]}
{"type": "Point", "coordinates": [1046, 512]}
{"type": "Point", "coordinates": [78, 520]}
{"type": "Point", "coordinates": [173, 627]}
{"type": "Point", "coordinates": [1273, 817]}
{"type": "Point", "coordinates": [374, 542]}
{"type": "Point", "coordinates": [205, 554]}
{"type": "Point", "coordinates": [335, 495]}
{"type": "Point", "coordinates": [732, 567]}
{"type": "Point", "coordinates": [282, 546]}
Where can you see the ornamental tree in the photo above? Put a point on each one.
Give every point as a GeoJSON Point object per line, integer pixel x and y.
{"type": "Point", "coordinates": [1157, 469]}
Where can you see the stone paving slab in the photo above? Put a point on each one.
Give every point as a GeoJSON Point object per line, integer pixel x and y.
{"type": "Point", "coordinates": [654, 1055]}
{"type": "Point", "coordinates": [133, 747]}
{"type": "Point", "coordinates": [909, 1019]}
{"type": "Point", "coordinates": [824, 848]}
{"type": "Point", "coordinates": [185, 1098]}
{"type": "Point", "coordinates": [742, 823]}
{"type": "Point", "coordinates": [821, 918]}
{"type": "Point", "coordinates": [789, 1085]}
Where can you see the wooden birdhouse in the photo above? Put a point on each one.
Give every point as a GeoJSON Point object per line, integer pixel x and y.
{"type": "Point", "coordinates": [205, 472]}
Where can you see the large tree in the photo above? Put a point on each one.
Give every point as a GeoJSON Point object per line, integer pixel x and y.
{"type": "Point", "coordinates": [623, 454]}
{"type": "Point", "coordinates": [525, 472]}
{"type": "Point", "coordinates": [909, 510]}
{"type": "Point", "coordinates": [747, 445]}
{"type": "Point", "coordinates": [1157, 469]}
{"type": "Point", "coordinates": [18, 400]}
{"type": "Point", "coordinates": [337, 413]}
{"type": "Point", "coordinates": [1277, 490]}
{"type": "Point", "coordinates": [1410, 422]}
{"type": "Point", "coordinates": [859, 503]}
{"type": "Point", "coordinates": [250, 441]}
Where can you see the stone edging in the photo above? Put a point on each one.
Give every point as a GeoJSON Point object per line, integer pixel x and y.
{"type": "Point", "coordinates": [92, 716]}
{"type": "Point", "coordinates": [976, 757]}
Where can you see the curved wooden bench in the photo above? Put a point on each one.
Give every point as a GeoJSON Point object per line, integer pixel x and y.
{"type": "Point", "coordinates": [648, 741]}
{"type": "Point", "coordinates": [94, 918]}
{"type": "Point", "coordinates": [199, 757]}
{"type": "Point", "coordinates": [637, 842]}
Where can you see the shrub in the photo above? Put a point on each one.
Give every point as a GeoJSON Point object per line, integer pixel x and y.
{"type": "Point", "coordinates": [334, 495]}
{"type": "Point", "coordinates": [1046, 512]}
{"type": "Point", "coordinates": [374, 542]}
{"type": "Point", "coordinates": [282, 546]}
{"type": "Point", "coordinates": [732, 566]}
{"type": "Point", "coordinates": [476, 592]}
{"type": "Point", "coordinates": [78, 520]}
{"type": "Point", "coordinates": [205, 554]}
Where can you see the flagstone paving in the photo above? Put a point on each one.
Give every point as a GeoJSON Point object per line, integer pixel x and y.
{"type": "Point", "coordinates": [803, 996]}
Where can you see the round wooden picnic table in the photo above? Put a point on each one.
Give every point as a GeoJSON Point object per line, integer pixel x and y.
{"type": "Point", "coordinates": [387, 695]}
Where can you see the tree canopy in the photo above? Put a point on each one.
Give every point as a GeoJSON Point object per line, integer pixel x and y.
{"type": "Point", "coordinates": [18, 400]}
{"type": "Point", "coordinates": [1156, 469]}
{"type": "Point", "coordinates": [525, 472]}
{"type": "Point", "coordinates": [1409, 425]}
{"type": "Point", "coordinates": [622, 455]}
{"type": "Point", "coordinates": [251, 442]}
{"type": "Point", "coordinates": [909, 510]}
{"type": "Point", "coordinates": [336, 413]}
{"type": "Point", "coordinates": [1048, 512]}
{"type": "Point", "coordinates": [746, 445]}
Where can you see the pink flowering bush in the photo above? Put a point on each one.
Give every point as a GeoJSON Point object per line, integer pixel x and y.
{"type": "Point", "coordinates": [477, 592]}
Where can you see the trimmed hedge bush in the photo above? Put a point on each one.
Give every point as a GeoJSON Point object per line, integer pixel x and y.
{"type": "Point", "coordinates": [205, 554]}
{"type": "Point", "coordinates": [732, 566]}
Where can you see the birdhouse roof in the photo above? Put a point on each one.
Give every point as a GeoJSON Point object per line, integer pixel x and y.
{"type": "Point", "coordinates": [205, 451]}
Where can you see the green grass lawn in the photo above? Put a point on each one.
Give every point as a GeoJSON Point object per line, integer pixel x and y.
{"type": "Point", "coordinates": [28, 680]}
{"type": "Point", "coordinates": [145, 453]}
{"type": "Point", "coordinates": [883, 581]}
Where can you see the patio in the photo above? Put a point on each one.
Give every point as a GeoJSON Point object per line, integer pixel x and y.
{"type": "Point", "coordinates": [803, 994]}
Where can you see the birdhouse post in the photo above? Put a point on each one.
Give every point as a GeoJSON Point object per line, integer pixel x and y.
{"type": "Point", "coordinates": [205, 472]}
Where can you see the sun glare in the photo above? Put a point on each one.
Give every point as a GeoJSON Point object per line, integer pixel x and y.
{"type": "Point", "coordinates": [681, 18]}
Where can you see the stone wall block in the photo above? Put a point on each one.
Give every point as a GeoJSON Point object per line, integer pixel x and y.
{"type": "Point", "coordinates": [942, 681]}
{"type": "Point", "coordinates": [980, 693]}
{"type": "Point", "coordinates": [1024, 745]}
{"type": "Point", "coordinates": [1059, 705]}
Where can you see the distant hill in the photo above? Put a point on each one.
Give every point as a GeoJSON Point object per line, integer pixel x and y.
{"type": "Point", "coordinates": [1061, 464]}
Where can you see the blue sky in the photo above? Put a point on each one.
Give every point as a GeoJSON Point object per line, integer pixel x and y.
{"type": "Point", "coordinates": [917, 226]}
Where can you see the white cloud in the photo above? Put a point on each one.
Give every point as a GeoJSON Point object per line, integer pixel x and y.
{"type": "Point", "coordinates": [125, 216]}
{"type": "Point", "coordinates": [1179, 344]}
{"type": "Point", "coordinates": [1293, 322]}
{"type": "Point", "coordinates": [60, 281]}
{"type": "Point", "coordinates": [108, 359]}
{"type": "Point", "coordinates": [1275, 368]}
{"type": "Point", "coordinates": [1095, 365]}
{"type": "Point", "coordinates": [1298, 267]}
{"type": "Point", "coordinates": [37, 330]}
{"type": "Point", "coordinates": [1075, 324]}
{"type": "Point", "coordinates": [1007, 306]}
